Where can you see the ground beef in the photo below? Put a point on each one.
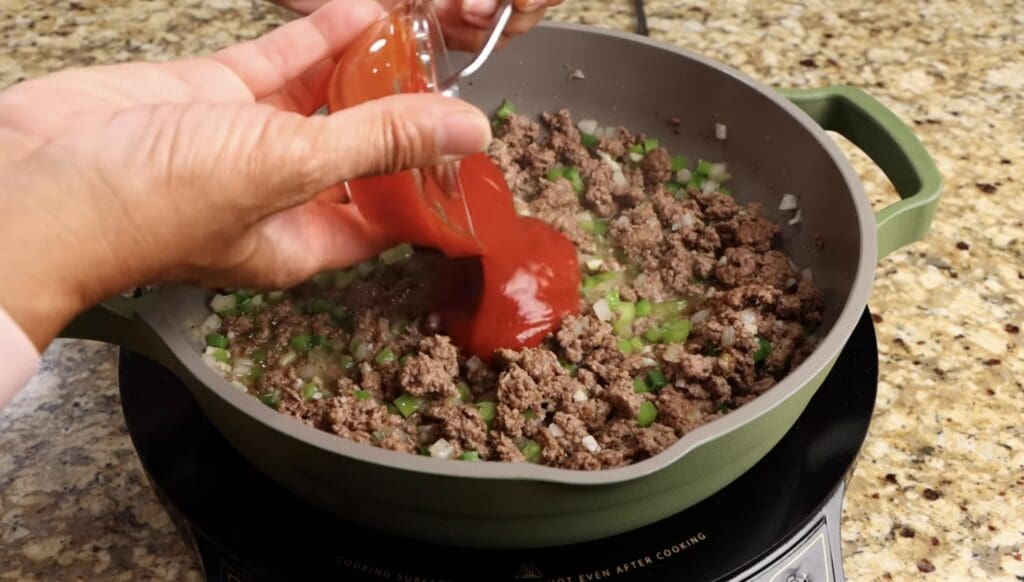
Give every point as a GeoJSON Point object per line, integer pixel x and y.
{"type": "Point", "coordinates": [367, 421]}
{"type": "Point", "coordinates": [599, 196]}
{"type": "Point", "coordinates": [359, 353]}
{"type": "Point", "coordinates": [463, 425]}
{"type": "Point", "coordinates": [657, 167]}
{"type": "Point", "coordinates": [433, 370]}
{"type": "Point", "coordinates": [649, 285]}
{"type": "Point", "coordinates": [638, 233]}
{"type": "Point", "coordinates": [680, 413]}
{"type": "Point", "coordinates": [655, 438]}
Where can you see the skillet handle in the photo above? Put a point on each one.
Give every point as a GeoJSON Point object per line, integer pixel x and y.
{"type": "Point", "coordinates": [891, 144]}
{"type": "Point", "coordinates": [114, 322]}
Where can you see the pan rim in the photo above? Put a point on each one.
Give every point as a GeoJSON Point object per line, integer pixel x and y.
{"type": "Point", "coordinates": [822, 356]}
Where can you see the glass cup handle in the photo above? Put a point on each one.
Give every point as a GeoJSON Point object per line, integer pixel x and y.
{"type": "Point", "coordinates": [450, 86]}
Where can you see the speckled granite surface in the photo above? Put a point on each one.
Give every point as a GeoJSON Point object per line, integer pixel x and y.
{"type": "Point", "coordinates": [939, 489]}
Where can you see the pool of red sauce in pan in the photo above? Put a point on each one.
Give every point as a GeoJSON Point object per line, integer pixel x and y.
{"type": "Point", "coordinates": [513, 283]}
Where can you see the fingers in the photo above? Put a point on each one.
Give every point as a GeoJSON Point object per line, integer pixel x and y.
{"type": "Point", "coordinates": [302, 6]}
{"type": "Point", "coordinates": [331, 235]}
{"type": "Point", "coordinates": [296, 158]}
{"type": "Point", "coordinates": [479, 16]}
{"type": "Point", "coordinates": [523, 22]}
{"type": "Point", "coordinates": [483, 10]}
{"type": "Point", "coordinates": [295, 244]}
{"type": "Point", "coordinates": [305, 94]}
{"type": "Point", "coordinates": [269, 63]}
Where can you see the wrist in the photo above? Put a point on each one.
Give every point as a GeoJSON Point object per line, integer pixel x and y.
{"type": "Point", "coordinates": [47, 275]}
{"type": "Point", "coordinates": [40, 308]}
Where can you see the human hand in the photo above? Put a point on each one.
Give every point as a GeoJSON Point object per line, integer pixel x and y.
{"type": "Point", "coordinates": [465, 22]}
{"type": "Point", "coordinates": [205, 170]}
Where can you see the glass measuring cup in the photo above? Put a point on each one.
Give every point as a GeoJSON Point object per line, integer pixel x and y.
{"type": "Point", "coordinates": [405, 53]}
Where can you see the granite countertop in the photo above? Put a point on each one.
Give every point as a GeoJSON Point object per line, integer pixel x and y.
{"type": "Point", "coordinates": [938, 488]}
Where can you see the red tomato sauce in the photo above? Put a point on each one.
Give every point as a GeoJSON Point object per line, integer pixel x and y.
{"type": "Point", "coordinates": [523, 276]}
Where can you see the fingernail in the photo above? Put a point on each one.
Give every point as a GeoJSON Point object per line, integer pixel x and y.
{"type": "Point", "coordinates": [462, 133]}
{"type": "Point", "coordinates": [531, 5]}
{"type": "Point", "coordinates": [479, 8]}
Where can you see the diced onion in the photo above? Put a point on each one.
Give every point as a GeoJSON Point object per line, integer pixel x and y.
{"type": "Point", "coordinates": [441, 449]}
{"type": "Point", "coordinates": [576, 74]}
{"type": "Point", "coordinates": [602, 310]}
{"type": "Point", "coordinates": [788, 202]}
{"type": "Point", "coordinates": [683, 176]}
{"type": "Point", "coordinates": [240, 386]}
{"type": "Point", "coordinates": [579, 395]}
{"type": "Point", "coordinates": [673, 353]}
{"type": "Point", "coordinates": [721, 131]}
{"type": "Point", "coordinates": [587, 126]}
{"type": "Point", "coordinates": [808, 274]}
{"type": "Point", "coordinates": [635, 157]}
{"type": "Point", "coordinates": [474, 363]}
{"type": "Point", "coordinates": [590, 443]}
{"type": "Point", "coordinates": [362, 351]}
{"type": "Point", "coordinates": [522, 207]}
{"type": "Point", "coordinates": [209, 325]}
{"type": "Point", "coordinates": [287, 359]}
{"type": "Point", "coordinates": [796, 218]}
{"type": "Point", "coordinates": [223, 367]}
{"type": "Point", "coordinates": [595, 264]}
{"type": "Point", "coordinates": [687, 220]}
{"type": "Point", "coordinates": [700, 317]}
{"type": "Point", "coordinates": [221, 303]}
{"type": "Point", "coordinates": [728, 337]}
{"type": "Point", "coordinates": [709, 186]}
{"type": "Point", "coordinates": [619, 179]}
{"type": "Point", "coordinates": [555, 430]}
{"type": "Point", "coordinates": [576, 327]}
{"type": "Point", "coordinates": [243, 366]}
{"type": "Point", "coordinates": [719, 172]}
{"type": "Point", "coordinates": [749, 319]}
{"type": "Point", "coordinates": [790, 282]}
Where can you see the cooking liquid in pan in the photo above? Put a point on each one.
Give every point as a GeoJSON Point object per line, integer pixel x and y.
{"type": "Point", "coordinates": [525, 277]}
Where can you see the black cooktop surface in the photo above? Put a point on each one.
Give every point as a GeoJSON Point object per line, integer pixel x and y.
{"type": "Point", "coordinates": [246, 528]}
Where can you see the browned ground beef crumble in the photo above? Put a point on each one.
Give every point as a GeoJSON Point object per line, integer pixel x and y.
{"type": "Point", "coordinates": [337, 353]}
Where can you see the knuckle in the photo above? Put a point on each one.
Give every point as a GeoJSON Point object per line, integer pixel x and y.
{"type": "Point", "coordinates": [401, 143]}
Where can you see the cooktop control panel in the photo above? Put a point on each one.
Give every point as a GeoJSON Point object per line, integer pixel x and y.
{"type": "Point", "coordinates": [815, 554]}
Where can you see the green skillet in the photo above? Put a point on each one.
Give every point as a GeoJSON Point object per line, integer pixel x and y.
{"type": "Point", "coordinates": [776, 143]}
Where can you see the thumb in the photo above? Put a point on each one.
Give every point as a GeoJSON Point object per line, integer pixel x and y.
{"type": "Point", "coordinates": [300, 157]}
